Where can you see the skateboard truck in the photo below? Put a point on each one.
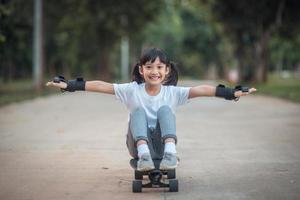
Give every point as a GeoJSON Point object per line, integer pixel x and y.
{"type": "Point", "coordinates": [155, 178]}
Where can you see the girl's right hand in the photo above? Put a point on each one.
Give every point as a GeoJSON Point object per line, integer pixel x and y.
{"type": "Point", "coordinates": [60, 85]}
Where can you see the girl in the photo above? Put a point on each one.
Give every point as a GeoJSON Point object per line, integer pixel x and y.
{"type": "Point", "coordinates": [151, 99]}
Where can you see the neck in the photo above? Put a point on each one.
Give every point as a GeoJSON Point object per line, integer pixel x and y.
{"type": "Point", "coordinates": [152, 90]}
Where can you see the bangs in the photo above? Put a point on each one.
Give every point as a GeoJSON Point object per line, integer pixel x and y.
{"type": "Point", "coordinates": [152, 54]}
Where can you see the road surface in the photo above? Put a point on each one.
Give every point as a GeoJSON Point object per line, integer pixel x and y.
{"type": "Point", "coordinates": [72, 146]}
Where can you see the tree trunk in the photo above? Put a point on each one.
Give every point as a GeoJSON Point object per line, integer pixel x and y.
{"type": "Point", "coordinates": [261, 48]}
{"type": "Point", "coordinates": [104, 70]}
{"type": "Point", "coordinates": [240, 62]}
{"type": "Point", "coordinates": [38, 45]}
{"type": "Point", "coordinates": [261, 58]}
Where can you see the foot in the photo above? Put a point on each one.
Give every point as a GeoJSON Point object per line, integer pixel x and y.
{"type": "Point", "coordinates": [169, 161]}
{"type": "Point", "coordinates": [145, 163]}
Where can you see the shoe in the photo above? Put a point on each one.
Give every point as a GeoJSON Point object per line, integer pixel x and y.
{"type": "Point", "coordinates": [169, 161]}
{"type": "Point", "coordinates": [145, 163]}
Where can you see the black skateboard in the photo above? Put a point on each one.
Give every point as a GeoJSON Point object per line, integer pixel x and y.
{"type": "Point", "coordinates": [157, 178]}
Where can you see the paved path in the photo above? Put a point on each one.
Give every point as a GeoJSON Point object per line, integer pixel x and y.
{"type": "Point", "coordinates": [72, 146]}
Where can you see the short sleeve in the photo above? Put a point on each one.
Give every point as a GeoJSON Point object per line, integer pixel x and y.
{"type": "Point", "coordinates": [181, 94]}
{"type": "Point", "coordinates": [124, 91]}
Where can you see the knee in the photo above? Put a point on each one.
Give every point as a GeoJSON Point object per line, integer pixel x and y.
{"type": "Point", "coordinates": [138, 118]}
{"type": "Point", "coordinates": [164, 110]}
{"type": "Point", "coordinates": [139, 111]}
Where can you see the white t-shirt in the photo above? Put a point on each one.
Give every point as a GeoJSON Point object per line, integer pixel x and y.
{"type": "Point", "coordinates": [134, 95]}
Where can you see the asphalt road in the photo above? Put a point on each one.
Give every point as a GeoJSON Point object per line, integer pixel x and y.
{"type": "Point", "coordinates": [72, 146]}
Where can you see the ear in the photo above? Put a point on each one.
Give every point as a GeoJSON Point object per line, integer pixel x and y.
{"type": "Point", "coordinates": [141, 70]}
{"type": "Point", "coordinates": [168, 69]}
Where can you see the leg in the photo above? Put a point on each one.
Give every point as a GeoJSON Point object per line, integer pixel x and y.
{"type": "Point", "coordinates": [131, 145]}
{"type": "Point", "coordinates": [137, 140]}
{"type": "Point", "coordinates": [164, 132]}
{"type": "Point", "coordinates": [167, 124]}
{"type": "Point", "coordinates": [138, 125]}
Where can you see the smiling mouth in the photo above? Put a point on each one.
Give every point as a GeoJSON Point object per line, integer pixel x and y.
{"type": "Point", "coordinates": [154, 77]}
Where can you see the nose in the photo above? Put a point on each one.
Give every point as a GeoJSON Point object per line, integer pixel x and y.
{"type": "Point", "coordinates": [154, 70]}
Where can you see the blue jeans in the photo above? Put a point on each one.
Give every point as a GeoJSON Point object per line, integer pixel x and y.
{"type": "Point", "coordinates": [155, 137]}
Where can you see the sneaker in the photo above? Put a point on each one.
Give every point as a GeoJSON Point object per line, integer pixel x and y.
{"type": "Point", "coordinates": [145, 163]}
{"type": "Point", "coordinates": [169, 161]}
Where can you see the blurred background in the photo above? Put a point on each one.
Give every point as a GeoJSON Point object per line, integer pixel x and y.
{"type": "Point", "coordinates": [254, 42]}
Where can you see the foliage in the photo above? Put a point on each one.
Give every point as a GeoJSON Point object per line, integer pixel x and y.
{"type": "Point", "coordinates": [87, 42]}
{"type": "Point", "coordinates": [15, 38]}
{"type": "Point", "coordinates": [79, 36]}
{"type": "Point", "coordinates": [285, 53]}
{"type": "Point", "coordinates": [185, 32]}
{"type": "Point", "coordinates": [251, 25]}
{"type": "Point", "coordinates": [82, 37]}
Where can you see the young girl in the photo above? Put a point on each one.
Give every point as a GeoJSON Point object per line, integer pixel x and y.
{"type": "Point", "coordinates": [151, 99]}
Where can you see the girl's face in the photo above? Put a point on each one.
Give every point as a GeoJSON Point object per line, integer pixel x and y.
{"type": "Point", "coordinates": [154, 73]}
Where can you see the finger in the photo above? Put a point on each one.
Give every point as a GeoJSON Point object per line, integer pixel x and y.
{"type": "Point", "coordinates": [238, 94]}
{"type": "Point", "coordinates": [48, 83]}
{"type": "Point", "coordinates": [52, 84]}
{"type": "Point", "coordinates": [252, 90]}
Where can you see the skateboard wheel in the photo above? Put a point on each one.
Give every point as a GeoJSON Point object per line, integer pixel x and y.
{"type": "Point", "coordinates": [173, 185]}
{"type": "Point", "coordinates": [171, 174]}
{"type": "Point", "coordinates": [137, 186]}
{"type": "Point", "coordinates": [138, 175]}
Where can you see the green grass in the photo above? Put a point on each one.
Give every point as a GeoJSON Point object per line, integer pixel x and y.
{"type": "Point", "coordinates": [20, 90]}
{"type": "Point", "coordinates": [286, 88]}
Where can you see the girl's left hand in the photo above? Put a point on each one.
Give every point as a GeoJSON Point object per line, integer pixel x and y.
{"type": "Point", "coordinates": [240, 93]}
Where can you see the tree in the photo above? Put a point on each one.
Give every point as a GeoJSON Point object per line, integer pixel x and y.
{"type": "Point", "coordinates": [80, 36]}
{"type": "Point", "coordinates": [184, 30]}
{"type": "Point", "coordinates": [251, 25]}
{"type": "Point", "coordinates": [87, 31]}
{"type": "Point", "coordinates": [15, 39]}
{"type": "Point", "coordinates": [201, 39]}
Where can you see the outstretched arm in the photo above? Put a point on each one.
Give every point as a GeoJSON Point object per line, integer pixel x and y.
{"type": "Point", "coordinates": [210, 91]}
{"type": "Point", "coordinates": [92, 86]}
{"type": "Point", "coordinates": [202, 90]}
{"type": "Point", "coordinates": [99, 86]}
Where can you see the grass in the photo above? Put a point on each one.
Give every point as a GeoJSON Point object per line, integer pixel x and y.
{"type": "Point", "coordinates": [19, 90]}
{"type": "Point", "coordinates": [278, 86]}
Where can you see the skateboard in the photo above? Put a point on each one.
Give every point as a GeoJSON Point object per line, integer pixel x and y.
{"type": "Point", "coordinates": [157, 178]}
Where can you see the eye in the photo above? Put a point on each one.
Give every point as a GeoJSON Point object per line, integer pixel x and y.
{"type": "Point", "coordinates": [148, 66]}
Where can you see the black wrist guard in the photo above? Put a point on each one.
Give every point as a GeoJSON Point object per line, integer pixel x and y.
{"type": "Point", "coordinates": [77, 84]}
{"type": "Point", "coordinates": [72, 85]}
{"type": "Point", "coordinates": [228, 93]}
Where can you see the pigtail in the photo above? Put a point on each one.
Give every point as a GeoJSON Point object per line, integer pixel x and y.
{"type": "Point", "coordinates": [136, 76]}
{"type": "Point", "coordinates": [172, 77]}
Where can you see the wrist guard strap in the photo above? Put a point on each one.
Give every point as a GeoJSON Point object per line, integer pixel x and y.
{"type": "Point", "coordinates": [77, 84]}
{"type": "Point", "coordinates": [72, 85]}
{"type": "Point", "coordinates": [227, 93]}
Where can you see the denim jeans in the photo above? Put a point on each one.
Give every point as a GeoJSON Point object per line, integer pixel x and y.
{"type": "Point", "coordinates": [138, 130]}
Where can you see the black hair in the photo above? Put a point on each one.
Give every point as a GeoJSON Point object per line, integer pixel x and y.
{"type": "Point", "coordinates": [151, 55]}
